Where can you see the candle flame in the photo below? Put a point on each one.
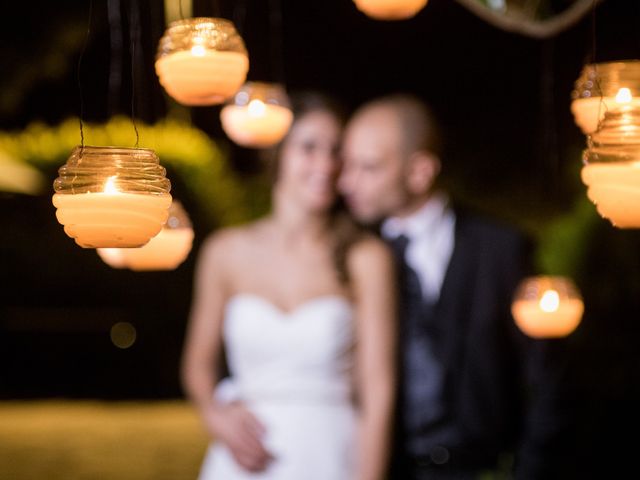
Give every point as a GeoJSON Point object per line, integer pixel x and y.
{"type": "Point", "coordinates": [110, 185]}
{"type": "Point", "coordinates": [198, 51]}
{"type": "Point", "coordinates": [550, 301]}
{"type": "Point", "coordinates": [257, 108]}
{"type": "Point", "coordinates": [624, 95]}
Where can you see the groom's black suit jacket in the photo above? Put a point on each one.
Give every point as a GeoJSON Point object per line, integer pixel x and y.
{"type": "Point", "coordinates": [500, 390]}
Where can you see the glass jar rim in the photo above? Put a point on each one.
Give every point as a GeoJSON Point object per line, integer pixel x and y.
{"type": "Point", "coordinates": [214, 33]}
{"type": "Point", "coordinates": [605, 79]}
{"type": "Point", "coordinates": [611, 63]}
{"type": "Point", "coordinates": [273, 93]}
{"type": "Point", "coordinates": [187, 22]}
{"type": "Point", "coordinates": [107, 148]}
{"type": "Point", "coordinates": [529, 286]}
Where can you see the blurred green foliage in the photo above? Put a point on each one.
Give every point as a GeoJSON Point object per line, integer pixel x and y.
{"type": "Point", "coordinates": [563, 244]}
{"type": "Point", "coordinates": [222, 196]}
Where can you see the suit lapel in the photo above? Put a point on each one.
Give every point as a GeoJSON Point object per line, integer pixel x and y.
{"type": "Point", "coordinates": [453, 306]}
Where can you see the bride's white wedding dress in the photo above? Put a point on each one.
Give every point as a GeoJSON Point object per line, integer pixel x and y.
{"type": "Point", "coordinates": [293, 371]}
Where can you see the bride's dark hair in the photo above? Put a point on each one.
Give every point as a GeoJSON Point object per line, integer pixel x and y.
{"type": "Point", "coordinates": [304, 102]}
{"type": "Point", "coordinates": [344, 230]}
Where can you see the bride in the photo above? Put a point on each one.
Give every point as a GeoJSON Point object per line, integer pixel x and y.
{"type": "Point", "coordinates": [303, 305]}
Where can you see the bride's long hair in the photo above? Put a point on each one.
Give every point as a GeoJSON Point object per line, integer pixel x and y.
{"type": "Point", "coordinates": [345, 232]}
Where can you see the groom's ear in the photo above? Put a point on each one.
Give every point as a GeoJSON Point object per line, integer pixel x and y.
{"type": "Point", "coordinates": [423, 169]}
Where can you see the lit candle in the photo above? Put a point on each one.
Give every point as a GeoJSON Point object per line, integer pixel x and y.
{"type": "Point", "coordinates": [614, 187]}
{"type": "Point", "coordinates": [257, 124]}
{"type": "Point", "coordinates": [202, 76]}
{"type": "Point", "coordinates": [390, 9]}
{"type": "Point", "coordinates": [547, 306]}
{"type": "Point", "coordinates": [165, 251]}
{"type": "Point", "coordinates": [624, 96]}
{"type": "Point", "coordinates": [549, 316]}
{"type": "Point", "coordinates": [588, 112]}
{"type": "Point", "coordinates": [111, 218]}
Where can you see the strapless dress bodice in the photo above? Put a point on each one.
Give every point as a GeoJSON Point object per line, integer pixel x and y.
{"type": "Point", "coordinates": [297, 355]}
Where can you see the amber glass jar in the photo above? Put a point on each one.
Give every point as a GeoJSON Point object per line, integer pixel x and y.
{"type": "Point", "coordinates": [112, 196]}
{"type": "Point", "coordinates": [201, 61]}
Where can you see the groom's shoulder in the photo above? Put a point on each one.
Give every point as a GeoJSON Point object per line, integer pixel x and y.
{"type": "Point", "coordinates": [488, 228]}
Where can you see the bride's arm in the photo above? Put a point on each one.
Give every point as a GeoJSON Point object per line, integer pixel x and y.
{"type": "Point", "coordinates": [202, 354]}
{"type": "Point", "coordinates": [372, 273]}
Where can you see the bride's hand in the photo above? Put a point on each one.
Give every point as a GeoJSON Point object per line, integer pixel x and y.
{"type": "Point", "coordinates": [234, 425]}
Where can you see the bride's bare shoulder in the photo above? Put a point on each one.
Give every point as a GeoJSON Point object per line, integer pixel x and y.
{"type": "Point", "coordinates": [370, 255]}
{"type": "Point", "coordinates": [232, 242]}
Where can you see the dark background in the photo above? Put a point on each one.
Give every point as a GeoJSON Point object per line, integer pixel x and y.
{"type": "Point", "coordinates": [512, 150]}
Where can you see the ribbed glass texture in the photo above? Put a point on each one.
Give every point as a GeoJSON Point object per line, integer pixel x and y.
{"type": "Point", "coordinates": [603, 87]}
{"type": "Point", "coordinates": [201, 61]}
{"type": "Point", "coordinates": [112, 196]}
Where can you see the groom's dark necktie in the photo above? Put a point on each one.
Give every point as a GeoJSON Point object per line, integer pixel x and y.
{"type": "Point", "coordinates": [410, 289]}
{"type": "Point", "coordinates": [421, 373]}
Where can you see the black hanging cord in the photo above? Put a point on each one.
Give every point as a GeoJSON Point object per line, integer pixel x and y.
{"type": "Point", "coordinates": [550, 137]}
{"type": "Point", "coordinates": [217, 8]}
{"type": "Point", "coordinates": [180, 9]}
{"type": "Point", "coordinates": [593, 31]}
{"type": "Point", "coordinates": [276, 41]}
{"type": "Point", "coordinates": [240, 16]}
{"type": "Point", "coordinates": [115, 67]}
{"type": "Point", "coordinates": [134, 33]}
{"type": "Point", "coordinates": [601, 103]}
{"type": "Point", "coordinates": [84, 48]}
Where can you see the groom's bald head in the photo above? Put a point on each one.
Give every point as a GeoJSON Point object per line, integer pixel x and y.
{"type": "Point", "coordinates": [391, 156]}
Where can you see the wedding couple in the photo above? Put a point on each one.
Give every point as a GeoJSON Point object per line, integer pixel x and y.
{"type": "Point", "coordinates": [360, 354]}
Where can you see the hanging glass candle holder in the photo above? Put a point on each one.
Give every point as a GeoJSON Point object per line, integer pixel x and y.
{"type": "Point", "coordinates": [112, 196]}
{"type": "Point", "coordinates": [390, 9]}
{"type": "Point", "coordinates": [611, 168]}
{"type": "Point", "coordinates": [165, 251]}
{"type": "Point", "coordinates": [259, 115]}
{"type": "Point", "coordinates": [603, 87]}
{"type": "Point", "coordinates": [201, 61]}
{"type": "Point", "coordinates": [547, 306]}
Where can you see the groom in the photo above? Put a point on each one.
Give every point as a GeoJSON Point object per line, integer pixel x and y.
{"type": "Point", "coordinates": [465, 368]}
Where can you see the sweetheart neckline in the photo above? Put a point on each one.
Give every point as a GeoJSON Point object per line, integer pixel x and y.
{"type": "Point", "coordinates": [291, 311]}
